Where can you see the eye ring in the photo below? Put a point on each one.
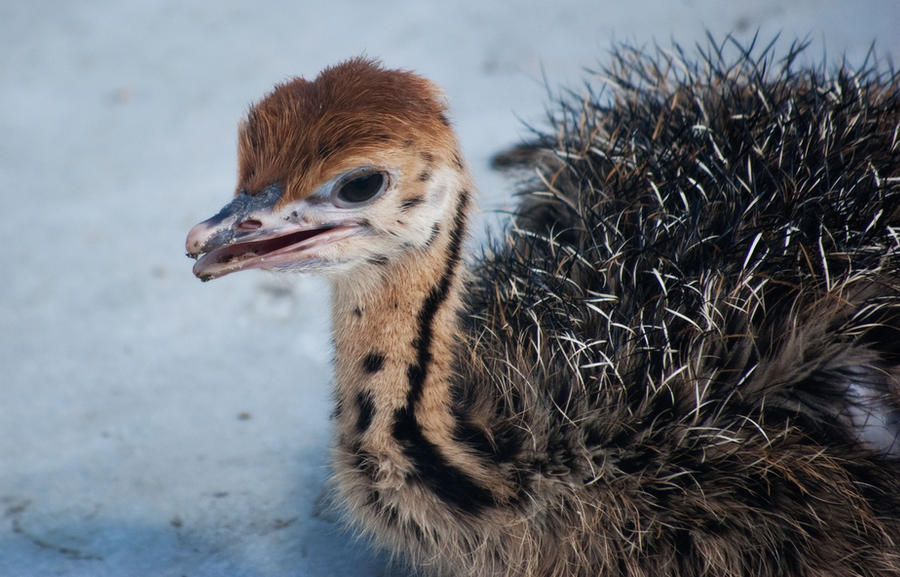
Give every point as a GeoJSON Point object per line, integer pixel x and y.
{"type": "Point", "coordinates": [360, 187]}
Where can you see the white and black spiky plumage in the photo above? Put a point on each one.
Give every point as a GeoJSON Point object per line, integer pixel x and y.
{"type": "Point", "coordinates": [698, 316]}
{"type": "Point", "coordinates": [683, 357]}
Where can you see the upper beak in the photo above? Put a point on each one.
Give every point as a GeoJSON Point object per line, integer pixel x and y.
{"type": "Point", "coordinates": [249, 233]}
{"type": "Point", "coordinates": [235, 218]}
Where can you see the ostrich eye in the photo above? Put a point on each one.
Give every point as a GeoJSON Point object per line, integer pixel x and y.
{"type": "Point", "coordinates": [361, 188]}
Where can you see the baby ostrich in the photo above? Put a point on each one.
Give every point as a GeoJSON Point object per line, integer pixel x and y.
{"type": "Point", "coordinates": [682, 358]}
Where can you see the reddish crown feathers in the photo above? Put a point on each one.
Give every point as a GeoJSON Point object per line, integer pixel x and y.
{"type": "Point", "coordinates": [303, 133]}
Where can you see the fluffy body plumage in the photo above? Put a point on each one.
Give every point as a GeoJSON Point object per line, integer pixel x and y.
{"type": "Point", "coordinates": [682, 358]}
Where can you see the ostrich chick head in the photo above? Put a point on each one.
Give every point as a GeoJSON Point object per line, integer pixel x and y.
{"type": "Point", "coordinates": [352, 169]}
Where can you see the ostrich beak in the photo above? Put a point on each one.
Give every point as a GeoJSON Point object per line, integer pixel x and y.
{"type": "Point", "coordinates": [250, 233]}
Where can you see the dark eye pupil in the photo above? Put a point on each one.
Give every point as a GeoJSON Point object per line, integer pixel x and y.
{"type": "Point", "coordinates": [361, 188]}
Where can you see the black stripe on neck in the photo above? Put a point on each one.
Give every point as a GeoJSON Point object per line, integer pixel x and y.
{"type": "Point", "coordinates": [449, 483]}
{"type": "Point", "coordinates": [422, 344]}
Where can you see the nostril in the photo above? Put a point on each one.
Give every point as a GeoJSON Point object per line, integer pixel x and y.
{"type": "Point", "coordinates": [249, 224]}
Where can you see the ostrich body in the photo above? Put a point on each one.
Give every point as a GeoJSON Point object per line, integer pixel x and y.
{"type": "Point", "coordinates": [683, 357]}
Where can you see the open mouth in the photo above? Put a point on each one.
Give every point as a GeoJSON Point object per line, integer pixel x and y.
{"type": "Point", "coordinates": [265, 252]}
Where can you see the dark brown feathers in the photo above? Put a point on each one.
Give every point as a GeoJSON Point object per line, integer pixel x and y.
{"type": "Point", "coordinates": [684, 353]}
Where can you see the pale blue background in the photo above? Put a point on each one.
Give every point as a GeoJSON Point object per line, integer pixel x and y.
{"type": "Point", "coordinates": [123, 378]}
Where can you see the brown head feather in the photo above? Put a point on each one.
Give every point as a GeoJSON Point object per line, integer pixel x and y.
{"type": "Point", "coordinates": [303, 133]}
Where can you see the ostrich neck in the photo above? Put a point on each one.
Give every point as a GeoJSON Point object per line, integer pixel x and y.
{"type": "Point", "coordinates": [394, 346]}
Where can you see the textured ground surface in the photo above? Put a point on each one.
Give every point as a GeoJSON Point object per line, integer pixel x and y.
{"type": "Point", "coordinates": [154, 425]}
